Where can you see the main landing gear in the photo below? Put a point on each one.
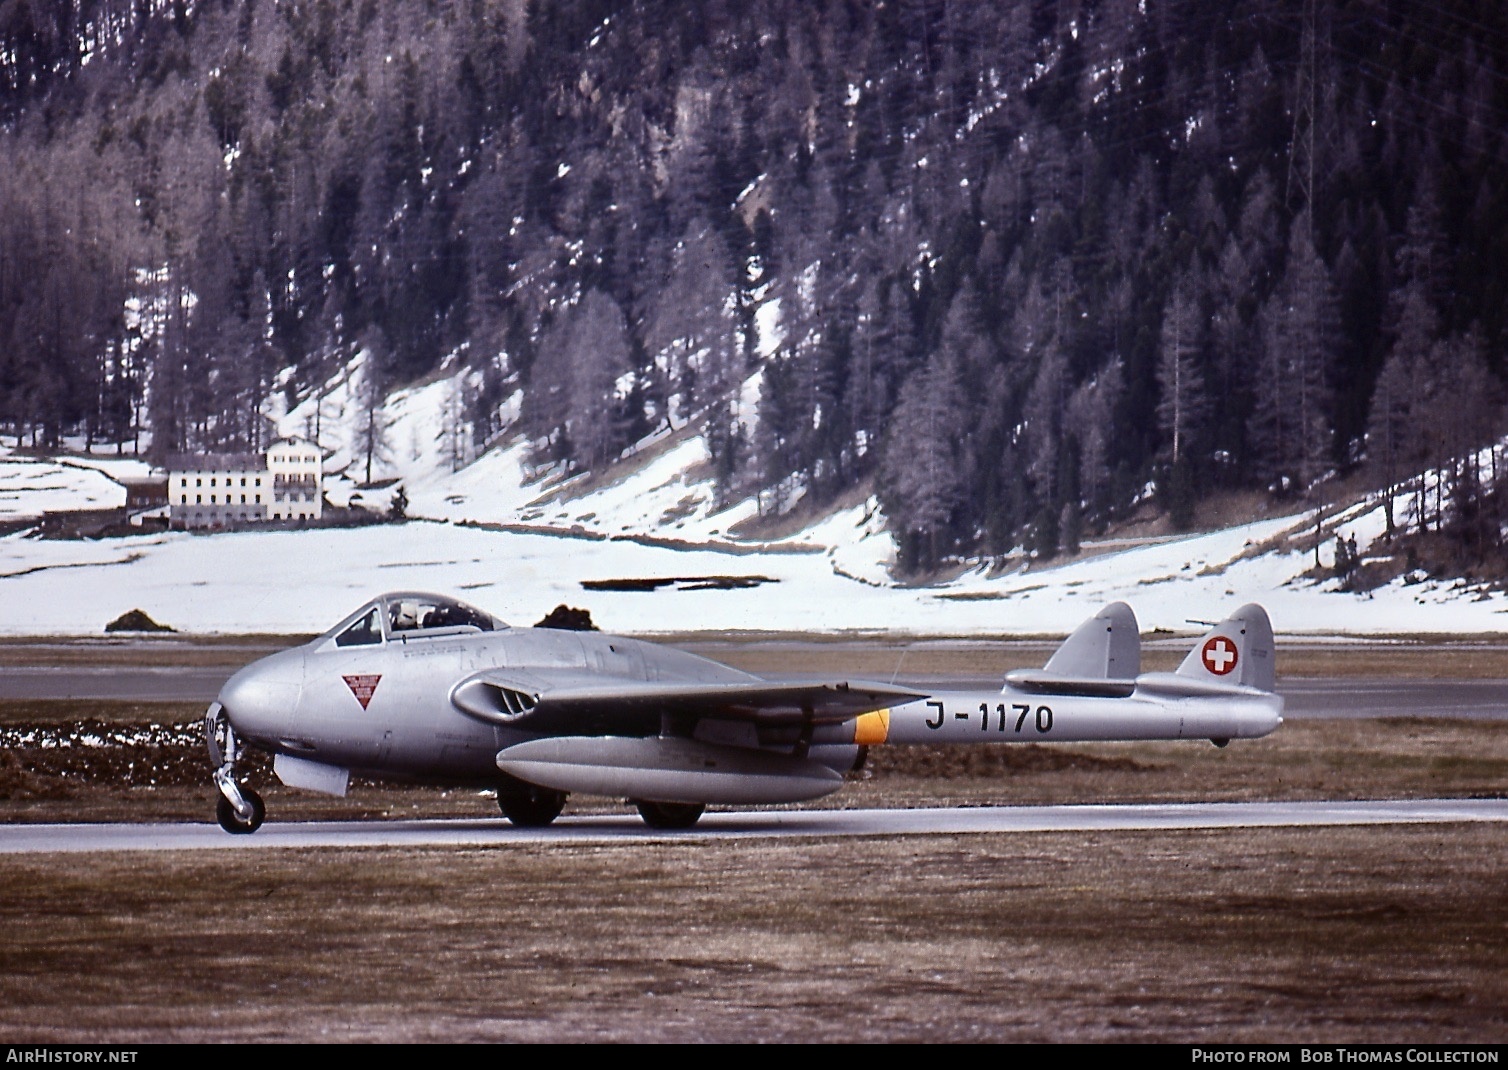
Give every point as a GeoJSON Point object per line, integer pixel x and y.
{"type": "Point", "coordinates": [665, 815]}
{"type": "Point", "coordinates": [530, 807]}
{"type": "Point", "coordinates": [239, 809]}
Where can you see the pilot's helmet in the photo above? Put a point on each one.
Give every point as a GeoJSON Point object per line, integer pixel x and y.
{"type": "Point", "coordinates": [405, 615]}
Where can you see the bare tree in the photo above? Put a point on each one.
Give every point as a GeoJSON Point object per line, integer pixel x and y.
{"type": "Point", "coordinates": [1183, 405]}
{"type": "Point", "coordinates": [371, 394]}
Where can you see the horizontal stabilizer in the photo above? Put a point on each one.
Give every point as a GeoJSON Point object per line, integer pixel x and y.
{"type": "Point", "coordinates": [1035, 682]}
{"type": "Point", "coordinates": [1179, 685]}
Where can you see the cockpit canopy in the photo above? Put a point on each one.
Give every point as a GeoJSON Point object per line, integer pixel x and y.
{"type": "Point", "coordinates": [404, 615]}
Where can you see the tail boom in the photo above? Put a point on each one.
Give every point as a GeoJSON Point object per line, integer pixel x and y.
{"type": "Point", "coordinates": [1012, 716]}
{"type": "Point", "coordinates": [1092, 690]}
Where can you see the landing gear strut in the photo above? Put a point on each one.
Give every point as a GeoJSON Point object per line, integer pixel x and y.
{"type": "Point", "coordinates": [239, 809]}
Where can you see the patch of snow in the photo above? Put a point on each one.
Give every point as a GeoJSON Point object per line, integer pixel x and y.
{"type": "Point", "coordinates": [30, 487]}
{"type": "Point", "coordinates": [518, 541]}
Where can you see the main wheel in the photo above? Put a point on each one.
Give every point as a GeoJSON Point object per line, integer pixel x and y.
{"type": "Point", "coordinates": [231, 821]}
{"type": "Point", "coordinates": [531, 808]}
{"type": "Point", "coordinates": [664, 815]}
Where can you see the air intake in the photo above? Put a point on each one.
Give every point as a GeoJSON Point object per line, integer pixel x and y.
{"type": "Point", "coordinates": [517, 703]}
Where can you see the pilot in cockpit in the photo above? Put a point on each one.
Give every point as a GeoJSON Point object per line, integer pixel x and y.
{"type": "Point", "coordinates": [405, 616]}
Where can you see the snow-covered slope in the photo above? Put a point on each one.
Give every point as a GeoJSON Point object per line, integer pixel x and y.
{"type": "Point", "coordinates": [518, 543]}
{"type": "Point", "coordinates": [829, 578]}
{"type": "Point", "coordinates": [30, 487]}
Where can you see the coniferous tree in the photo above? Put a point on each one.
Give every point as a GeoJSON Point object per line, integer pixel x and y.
{"type": "Point", "coordinates": [923, 480]}
{"type": "Point", "coordinates": [270, 181]}
{"type": "Point", "coordinates": [1291, 422]}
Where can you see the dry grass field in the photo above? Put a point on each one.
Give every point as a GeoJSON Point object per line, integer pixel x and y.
{"type": "Point", "coordinates": [1325, 935]}
{"type": "Point", "coordinates": [1390, 934]}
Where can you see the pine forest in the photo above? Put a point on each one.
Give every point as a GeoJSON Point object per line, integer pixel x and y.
{"type": "Point", "coordinates": [1014, 268]}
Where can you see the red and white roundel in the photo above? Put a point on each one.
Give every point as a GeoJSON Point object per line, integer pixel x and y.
{"type": "Point", "coordinates": [1219, 655]}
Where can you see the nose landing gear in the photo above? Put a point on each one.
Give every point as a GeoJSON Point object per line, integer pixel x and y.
{"type": "Point", "coordinates": [239, 809]}
{"type": "Point", "coordinates": [243, 819]}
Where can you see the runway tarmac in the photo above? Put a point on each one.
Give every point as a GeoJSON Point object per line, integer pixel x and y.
{"type": "Point", "coordinates": [1303, 697]}
{"type": "Point", "coordinates": [39, 839]}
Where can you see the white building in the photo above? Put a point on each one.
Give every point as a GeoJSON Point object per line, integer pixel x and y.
{"type": "Point", "coordinates": [221, 490]}
{"type": "Point", "coordinates": [297, 470]}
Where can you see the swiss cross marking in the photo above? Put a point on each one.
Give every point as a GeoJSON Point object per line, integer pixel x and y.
{"type": "Point", "coordinates": [362, 686]}
{"type": "Point", "coordinates": [1219, 655]}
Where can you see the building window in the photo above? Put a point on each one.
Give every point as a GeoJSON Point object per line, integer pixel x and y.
{"type": "Point", "coordinates": [198, 482]}
{"type": "Point", "coordinates": [198, 500]}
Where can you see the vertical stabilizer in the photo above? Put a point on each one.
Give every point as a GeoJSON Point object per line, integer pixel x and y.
{"type": "Point", "coordinates": [1238, 650]}
{"type": "Point", "coordinates": [1107, 646]}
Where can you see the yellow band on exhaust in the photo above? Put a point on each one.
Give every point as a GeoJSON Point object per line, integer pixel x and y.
{"type": "Point", "coordinates": [872, 728]}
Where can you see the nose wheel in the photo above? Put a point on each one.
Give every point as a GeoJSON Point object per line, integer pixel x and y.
{"type": "Point", "coordinates": [239, 809]}
{"type": "Point", "coordinates": [231, 819]}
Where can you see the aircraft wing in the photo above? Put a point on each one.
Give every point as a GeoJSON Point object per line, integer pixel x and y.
{"type": "Point", "coordinates": [554, 703]}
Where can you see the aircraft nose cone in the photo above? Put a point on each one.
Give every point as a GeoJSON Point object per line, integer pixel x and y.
{"type": "Point", "coordinates": [260, 700]}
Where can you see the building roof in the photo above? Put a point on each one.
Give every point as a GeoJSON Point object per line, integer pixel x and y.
{"type": "Point", "coordinates": [217, 462]}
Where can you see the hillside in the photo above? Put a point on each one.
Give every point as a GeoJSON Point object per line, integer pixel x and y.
{"type": "Point", "coordinates": [648, 552]}
{"type": "Point", "coordinates": [1010, 270]}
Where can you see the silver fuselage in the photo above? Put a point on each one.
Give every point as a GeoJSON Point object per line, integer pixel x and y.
{"type": "Point", "coordinates": [385, 709]}
{"type": "Point", "coordinates": [308, 701]}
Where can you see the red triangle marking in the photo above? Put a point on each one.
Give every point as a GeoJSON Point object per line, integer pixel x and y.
{"type": "Point", "coordinates": [363, 686]}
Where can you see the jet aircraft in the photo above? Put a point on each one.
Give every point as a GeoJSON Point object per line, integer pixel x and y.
{"type": "Point", "coordinates": [423, 688]}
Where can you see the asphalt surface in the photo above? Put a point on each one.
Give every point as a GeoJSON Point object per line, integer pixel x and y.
{"type": "Point", "coordinates": [39, 839]}
{"type": "Point", "coordinates": [135, 684]}
{"type": "Point", "coordinates": [1303, 697]}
